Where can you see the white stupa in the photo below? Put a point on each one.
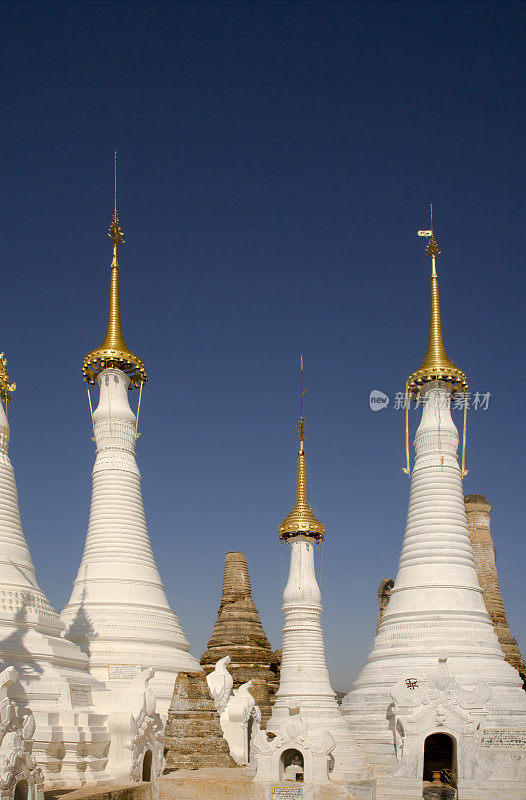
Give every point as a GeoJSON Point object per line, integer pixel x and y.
{"type": "Point", "coordinates": [309, 731]}
{"type": "Point", "coordinates": [437, 695]}
{"type": "Point", "coordinates": [118, 612]}
{"type": "Point", "coordinates": [54, 682]}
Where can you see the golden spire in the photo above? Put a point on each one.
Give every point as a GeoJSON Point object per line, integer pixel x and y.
{"type": "Point", "coordinates": [113, 351]}
{"type": "Point", "coordinates": [436, 365]}
{"type": "Point", "coordinates": [6, 388]}
{"type": "Point", "coordinates": [301, 519]}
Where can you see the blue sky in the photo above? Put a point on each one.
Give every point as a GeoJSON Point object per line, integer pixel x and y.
{"type": "Point", "coordinates": [276, 161]}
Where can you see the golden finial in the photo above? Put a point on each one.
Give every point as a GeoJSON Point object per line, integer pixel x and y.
{"type": "Point", "coordinates": [113, 351]}
{"type": "Point", "coordinates": [301, 519]}
{"type": "Point", "coordinates": [115, 233]}
{"type": "Point", "coordinates": [437, 364]}
{"type": "Point", "coordinates": [6, 388]}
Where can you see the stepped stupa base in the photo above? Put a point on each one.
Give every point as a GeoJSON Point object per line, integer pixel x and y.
{"type": "Point", "coordinates": [69, 705]}
{"type": "Point", "coordinates": [221, 783]}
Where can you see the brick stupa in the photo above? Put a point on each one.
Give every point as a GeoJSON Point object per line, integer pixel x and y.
{"type": "Point", "coordinates": [478, 516]}
{"type": "Point", "coordinates": [238, 633]}
{"type": "Point", "coordinates": [193, 736]}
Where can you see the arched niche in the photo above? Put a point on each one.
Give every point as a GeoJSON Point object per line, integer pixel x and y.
{"type": "Point", "coordinates": [147, 766]}
{"type": "Point", "coordinates": [440, 759]}
{"type": "Point", "coordinates": [21, 790]}
{"type": "Point", "coordinates": [291, 765]}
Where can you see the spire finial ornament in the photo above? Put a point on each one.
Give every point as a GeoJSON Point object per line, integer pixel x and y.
{"type": "Point", "coordinates": [301, 520]}
{"type": "Point", "coordinates": [113, 351]}
{"type": "Point", "coordinates": [437, 364]}
{"type": "Point", "coordinates": [6, 388]}
{"type": "Point", "coordinates": [115, 233]}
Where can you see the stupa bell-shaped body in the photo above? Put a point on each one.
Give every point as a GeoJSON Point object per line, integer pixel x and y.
{"type": "Point", "coordinates": [436, 624]}
{"type": "Point", "coordinates": [118, 612]}
{"type": "Point", "coordinates": [52, 671]}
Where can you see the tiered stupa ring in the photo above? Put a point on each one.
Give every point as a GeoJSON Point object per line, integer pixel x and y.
{"type": "Point", "coordinates": [113, 351]}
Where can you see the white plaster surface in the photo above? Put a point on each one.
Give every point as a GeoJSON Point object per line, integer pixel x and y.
{"type": "Point", "coordinates": [118, 612]}
{"type": "Point", "coordinates": [305, 686]}
{"type": "Point", "coordinates": [68, 742]}
{"type": "Point", "coordinates": [436, 610]}
{"type": "Point", "coordinates": [220, 682]}
{"type": "Point", "coordinates": [240, 723]}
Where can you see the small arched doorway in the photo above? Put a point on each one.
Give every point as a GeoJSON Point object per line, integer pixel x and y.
{"type": "Point", "coordinates": [147, 766]}
{"type": "Point", "coordinates": [291, 766]}
{"type": "Point", "coordinates": [21, 790]}
{"type": "Point", "coordinates": [440, 761]}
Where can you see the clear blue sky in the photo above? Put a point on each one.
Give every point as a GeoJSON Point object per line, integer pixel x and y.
{"type": "Point", "coordinates": [276, 160]}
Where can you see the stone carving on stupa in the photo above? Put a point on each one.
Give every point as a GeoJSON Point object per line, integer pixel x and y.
{"type": "Point", "coordinates": [478, 516]}
{"type": "Point", "coordinates": [436, 607]}
{"type": "Point", "coordinates": [19, 773]}
{"type": "Point", "coordinates": [439, 702]}
{"type": "Point", "coordinates": [118, 612]}
{"type": "Point", "coordinates": [297, 751]}
{"type": "Point", "coordinates": [239, 716]}
{"type": "Point", "coordinates": [137, 733]}
{"type": "Point", "coordinates": [238, 634]}
{"type": "Point", "coordinates": [193, 737]}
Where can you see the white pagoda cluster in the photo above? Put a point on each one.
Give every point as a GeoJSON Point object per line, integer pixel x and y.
{"type": "Point", "coordinates": [437, 712]}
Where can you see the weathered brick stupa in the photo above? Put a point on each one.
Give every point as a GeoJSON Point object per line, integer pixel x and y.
{"type": "Point", "coordinates": [118, 612]}
{"type": "Point", "coordinates": [53, 678]}
{"type": "Point", "coordinates": [238, 633]}
{"type": "Point", "coordinates": [193, 736]}
{"type": "Point", "coordinates": [437, 695]}
{"type": "Point", "coordinates": [478, 516]}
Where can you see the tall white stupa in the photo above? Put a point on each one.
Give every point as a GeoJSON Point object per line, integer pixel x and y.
{"type": "Point", "coordinates": [306, 722]}
{"type": "Point", "coordinates": [70, 740]}
{"type": "Point", "coordinates": [437, 702]}
{"type": "Point", "coordinates": [118, 612]}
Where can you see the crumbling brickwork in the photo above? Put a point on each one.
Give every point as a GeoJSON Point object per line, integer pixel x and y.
{"type": "Point", "coordinates": [193, 737]}
{"type": "Point", "coordinates": [238, 633]}
{"type": "Point", "coordinates": [478, 515]}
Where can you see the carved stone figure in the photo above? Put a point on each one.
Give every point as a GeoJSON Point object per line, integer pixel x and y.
{"type": "Point", "coordinates": [240, 722]}
{"type": "Point", "coordinates": [137, 733]}
{"type": "Point", "coordinates": [17, 766]}
{"type": "Point", "coordinates": [220, 683]}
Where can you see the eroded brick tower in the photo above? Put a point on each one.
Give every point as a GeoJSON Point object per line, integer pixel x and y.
{"type": "Point", "coordinates": [478, 516]}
